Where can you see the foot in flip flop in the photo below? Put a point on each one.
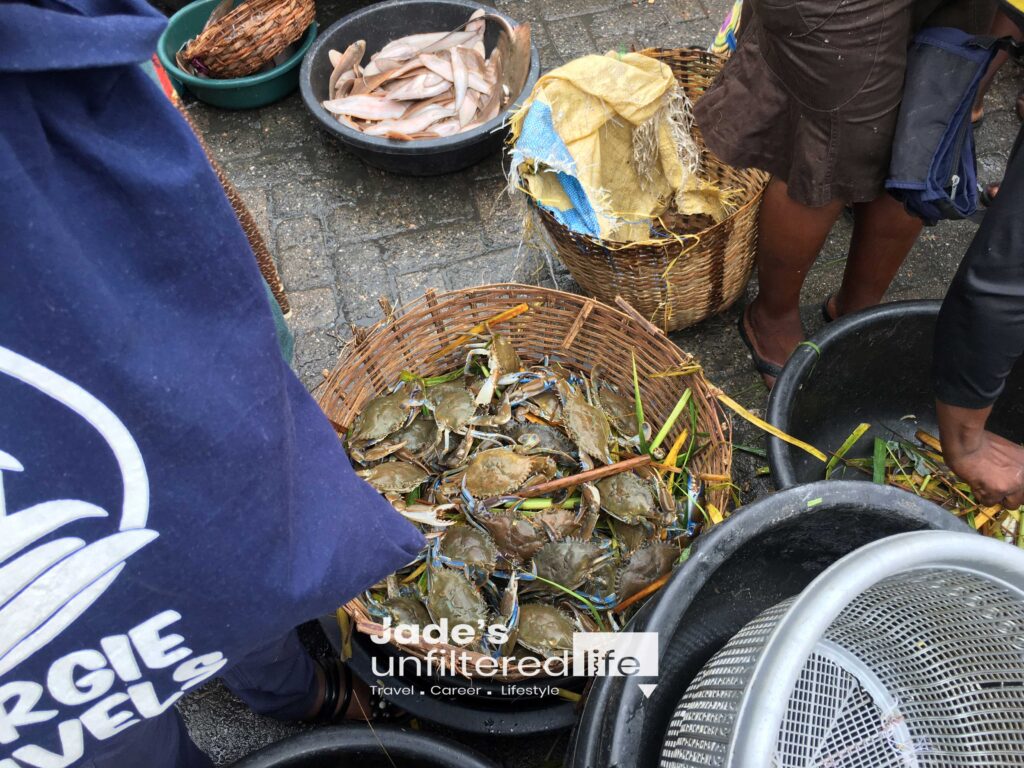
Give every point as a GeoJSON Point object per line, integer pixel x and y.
{"type": "Point", "coordinates": [763, 362]}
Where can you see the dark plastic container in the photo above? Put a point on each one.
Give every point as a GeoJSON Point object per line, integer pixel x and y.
{"type": "Point", "coordinates": [232, 93]}
{"type": "Point", "coordinates": [479, 706]}
{"type": "Point", "coordinates": [763, 553]}
{"type": "Point", "coordinates": [875, 367]}
{"type": "Point", "coordinates": [378, 25]}
{"type": "Point", "coordinates": [357, 746]}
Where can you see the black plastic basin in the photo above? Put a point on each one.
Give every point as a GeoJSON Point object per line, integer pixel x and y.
{"type": "Point", "coordinates": [763, 553]}
{"type": "Point", "coordinates": [874, 367]}
{"type": "Point", "coordinates": [359, 747]}
{"type": "Point", "coordinates": [378, 25]}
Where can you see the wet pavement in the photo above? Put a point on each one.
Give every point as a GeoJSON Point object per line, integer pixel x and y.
{"type": "Point", "coordinates": [345, 234]}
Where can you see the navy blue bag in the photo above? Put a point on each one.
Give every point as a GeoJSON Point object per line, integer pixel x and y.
{"type": "Point", "coordinates": [932, 171]}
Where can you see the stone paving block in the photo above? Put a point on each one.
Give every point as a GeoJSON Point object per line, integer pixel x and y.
{"type": "Point", "coordinates": [312, 309]}
{"type": "Point", "coordinates": [316, 195]}
{"type": "Point", "coordinates": [269, 168]}
{"type": "Point", "coordinates": [571, 38]}
{"type": "Point", "coordinates": [501, 217]}
{"type": "Point", "coordinates": [623, 26]}
{"type": "Point", "coordinates": [687, 10]}
{"type": "Point", "coordinates": [362, 277]}
{"type": "Point", "coordinates": [387, 204]}
{"type": "Point", "coordinates": [230, 134]}
{"type": "Point", "coordinates": [301, 254]}
{"type": "Point", "coordinates": [412, 285]}
{"type": "Point", "coordinates": [509, 265]}
{"type": "Point", "coordinates": [434, 248]}
{"type": "Point", "coordinates": [521, 10]}
{"type": "Point", "coordinates": [565, 9]}
{"type": "Point", "coordinates": [285, 124]}
{"type": "Point", "coordinates": [316, 351]}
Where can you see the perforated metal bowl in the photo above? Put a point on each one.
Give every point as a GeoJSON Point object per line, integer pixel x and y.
{"type": "Point", "coordinates": [908, 653]}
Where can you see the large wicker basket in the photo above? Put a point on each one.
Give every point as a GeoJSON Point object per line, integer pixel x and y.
{"type": "Point", "coordinates": [576, 330]}
{"type": "Point", "coordinates": [684, 281]}
{"type": "Point", "coordinates": [249, 37]}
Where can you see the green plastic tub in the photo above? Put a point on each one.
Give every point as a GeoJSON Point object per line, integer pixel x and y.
{"type": "Point", "coordinates": [234, 93]}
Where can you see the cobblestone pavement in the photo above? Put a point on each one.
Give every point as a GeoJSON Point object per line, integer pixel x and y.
{"type": "Point", "coordinates": [344, 234]}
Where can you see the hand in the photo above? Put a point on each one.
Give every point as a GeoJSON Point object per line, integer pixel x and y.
{"type": "Point", "coordinates": [991, 465]}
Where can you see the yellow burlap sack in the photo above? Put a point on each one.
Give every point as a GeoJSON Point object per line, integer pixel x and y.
{"type": "Point", "coordinates": [598, 105]}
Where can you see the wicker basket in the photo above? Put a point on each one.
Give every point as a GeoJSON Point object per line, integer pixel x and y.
{"type": "Point", "coordinates": [249, 37]}
{"type": "Point", "coordinates": [673, 290]}
{"type": "Point", "coordinates": [578, 331]}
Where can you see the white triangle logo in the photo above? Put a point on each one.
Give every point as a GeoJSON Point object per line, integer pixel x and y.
{"type": "Point", "coordinates": [647, 689]}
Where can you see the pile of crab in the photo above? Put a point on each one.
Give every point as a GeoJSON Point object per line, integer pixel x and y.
{"type": "Point", "coordinates": [541, 510]}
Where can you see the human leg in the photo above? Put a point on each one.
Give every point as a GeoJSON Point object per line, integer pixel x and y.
{"type": "Point", "coordinates": [281, 680]}
{"type": "Point", "coordinates": [790, 236]}
{"type": "Point", "coordinates": [883, 234]}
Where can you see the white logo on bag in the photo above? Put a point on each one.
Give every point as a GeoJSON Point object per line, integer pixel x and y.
{"type": "Point", "coordinates": [45, 587]}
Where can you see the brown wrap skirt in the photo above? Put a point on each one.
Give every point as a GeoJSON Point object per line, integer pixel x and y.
{"type": "Point", "coordinates": [813, 91]}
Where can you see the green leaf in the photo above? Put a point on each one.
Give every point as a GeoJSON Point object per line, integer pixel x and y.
{"type": "Point", "coordinates": [670, 422]}
{"type": "Point", "coordinates": [639, 408]}
{"type": "Point", "coordinates": [856, 435]}
{"type": "Point", "coordinates": [751, 449]}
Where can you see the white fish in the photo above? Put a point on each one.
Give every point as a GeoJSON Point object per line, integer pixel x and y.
{"type": "Point", "coordinates": [460, 78]}
{"type": "Point", "coordinates": [366, 107]}
{"type": "Point", "coordinates": [414, 124]}
{"type": "Point", "coordinates": [419, 88]}
{"type": "Point", "coordinates": [468, 109]}
{"type": "Point", "coordinates": [343, 63]}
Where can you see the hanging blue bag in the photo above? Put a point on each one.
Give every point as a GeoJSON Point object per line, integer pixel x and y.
{"type": "Point", "coordinates": [932, 171]}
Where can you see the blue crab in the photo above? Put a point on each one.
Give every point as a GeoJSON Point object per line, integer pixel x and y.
{"type": "Point", "coordinates": [545, 630]}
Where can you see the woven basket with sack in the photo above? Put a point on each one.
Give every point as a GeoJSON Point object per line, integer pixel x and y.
{"type": "Point", "coordinates": [695, 265]}
{"type": "Point", "coordinates": [247, 38]}
{"type": "Point", "coordinates": [427, 338]}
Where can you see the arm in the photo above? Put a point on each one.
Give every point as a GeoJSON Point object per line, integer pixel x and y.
{"type": "Point", "coordinates": [978, 339]}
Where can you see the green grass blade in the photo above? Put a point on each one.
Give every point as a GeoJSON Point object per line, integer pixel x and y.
{"type": "Point", "coordinates": [856, 435]}
{"type": "Point", "coordinates": [638, 404]}
{"type": "Point", "coordinates": [670, 421]}
{"type": "Point", "coordinates": [878, 462]}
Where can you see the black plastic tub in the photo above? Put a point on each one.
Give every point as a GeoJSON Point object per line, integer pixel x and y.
{"type": "Point", "coordinates": [479, 706]}
{"type": "Point", "coordinates": [763, 553]}
{"type": "Point", "coordinates": [359, 747]}
{"type": "Point", "coordinates": [378, 25]}
{"type": "Point", "coordinates": [875, 367]}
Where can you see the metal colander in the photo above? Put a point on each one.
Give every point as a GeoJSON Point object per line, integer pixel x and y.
{"type": "Point", "coordinates": [908, 653]}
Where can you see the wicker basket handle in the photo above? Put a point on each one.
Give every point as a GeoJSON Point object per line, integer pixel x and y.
{"type": "Point", "coordinates": [630, 310]}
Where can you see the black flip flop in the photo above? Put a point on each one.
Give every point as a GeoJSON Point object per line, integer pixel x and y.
{"type": "Point", "coordinates": [762, 366]}
{"type": "Point", "coordinates": [338, 688]}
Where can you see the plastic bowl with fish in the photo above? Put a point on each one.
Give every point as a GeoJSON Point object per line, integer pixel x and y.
{"type": "Point", "coordinates": [462, 64]}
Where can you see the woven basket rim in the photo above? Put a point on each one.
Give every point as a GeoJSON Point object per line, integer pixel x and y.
{"type": "Point", "coordinates": [645, 334]}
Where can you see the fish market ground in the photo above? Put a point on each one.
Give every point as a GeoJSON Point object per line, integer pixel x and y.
{"type": "Point", "coordinates": [344, 234]}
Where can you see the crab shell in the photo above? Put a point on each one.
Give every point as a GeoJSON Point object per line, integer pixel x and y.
{"type": "Point", "coordinates": [587, 426]}
{"type": "Point", "coordinates": [568, 562]}
{"type": "Point", "coordinates": [504, 356]}
{"type": "Point", "coordinates": [452, 405]}
{"type": "Point", "coordinates": [540, 438]}
{"type": "Point", "coordinates": [558, 523]}
{"type": "Point", "coordinates": [499, 471]}
{"type": "Point", "coordinates": [627, 498]}
{"type": "Point", "coordinates": [545, 630]}
{"type": "Point", "coordinates": [406, 610]}
{"type": "Point", "coordinates": [381, 417]}
{"type": "Point", "coordinates": [394, 476]}
{"type": "Point", "coordinates": [517, 538]}
{"type": "Point", "coordinates": [644, 567]}
{"type": "Point", "coordinates": [471, 547]}
{"type": "Point", "coordinates": [420, 435]}
{"type": "Point", "coordinates": [620, 411]}
{"type": "Point", "coordinates": [451, 596]}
